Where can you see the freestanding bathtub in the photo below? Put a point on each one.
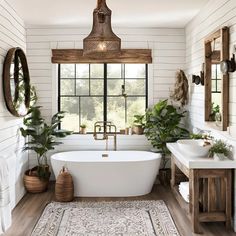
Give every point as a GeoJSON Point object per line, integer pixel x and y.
{"type": "Point", "coordinates": [109, 173]}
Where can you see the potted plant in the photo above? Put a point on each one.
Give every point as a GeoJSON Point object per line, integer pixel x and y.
{"type": "Point", "coordinates": [215, 112]}
{"type": "Point", "coordinates": [83, 129]}
{"type": "Point", "coordinates": [220, 151]}
{"type": "Point", "coordinates": [163, 125]}
{"type": "Point", "coordinates": [139, 123]}
{"type": "Point", "coordinates": [41, 138]}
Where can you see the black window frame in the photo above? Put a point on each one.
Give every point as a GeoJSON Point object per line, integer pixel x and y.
{"type": "Point", "coordinates": [215, 80]}
{"type": "Point", "coordinates": [105, 92]}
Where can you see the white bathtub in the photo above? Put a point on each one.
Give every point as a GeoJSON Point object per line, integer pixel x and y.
{"type": "Point", "coordinates": [121, 174]}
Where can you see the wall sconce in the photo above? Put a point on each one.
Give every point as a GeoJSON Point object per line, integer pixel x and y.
{"type": "Point", "coordinates": [228, 65]}
{"type": "Point", "coordinates": [196, 79]}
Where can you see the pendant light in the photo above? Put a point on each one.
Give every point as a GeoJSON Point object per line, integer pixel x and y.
{"type": "Point", "coordinates": [101, 39]}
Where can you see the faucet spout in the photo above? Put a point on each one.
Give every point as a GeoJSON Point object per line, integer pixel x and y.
{"type": "Point", "coordinates": [107, 129]}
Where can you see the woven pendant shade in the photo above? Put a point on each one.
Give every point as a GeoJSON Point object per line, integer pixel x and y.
{"type": "Point", "coordinates": [101, 39]}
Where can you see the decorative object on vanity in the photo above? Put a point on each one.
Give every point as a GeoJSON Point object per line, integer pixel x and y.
{"type": "Point", "coordinates": [180, 93]}
{"type": "Point", "coordinates": [41, 139]}
{"type": "Point", "coordinates": [64, 188]}
{"type": "Point", "coordinates": [163, 125]}
{"type": "Point", "coordinates": [216, 84]}
{"type": "Point", "coordinates": [83, 129]}
{"type": "Point", "coordinates": [106, 218]}
{"type": "Point", "coordinates": [16, 82]}
{"type": "Point", "coordinates": [138, 124]}
{"type": "Point", "coordinates": [228, 65]}
{"type": "Point", "coordinates": [220, 151]}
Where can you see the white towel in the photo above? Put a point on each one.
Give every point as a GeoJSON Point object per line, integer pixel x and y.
{"type": "Point", "coordinates": [184, 190]}
{"type": "Point", "coordinates": [5, 208]}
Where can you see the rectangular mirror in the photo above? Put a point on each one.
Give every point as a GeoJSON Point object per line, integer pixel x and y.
{"type": "Point", "coordinates": [217, 84]}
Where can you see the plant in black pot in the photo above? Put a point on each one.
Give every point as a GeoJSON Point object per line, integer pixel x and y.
{"type": "Point", "coordinates": [42, 137]}
{"type": "Point", "coordinates": [163, 125]}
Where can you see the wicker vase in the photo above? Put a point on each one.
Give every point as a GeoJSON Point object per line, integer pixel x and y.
{"type": "Point", "coordinates": [33, 183]}
{"type": "Point", "coordinates": [64, 189]}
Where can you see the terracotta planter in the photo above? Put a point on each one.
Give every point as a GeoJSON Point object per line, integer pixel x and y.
{"type": "Point", "coordinates": [165, 176]}
{"type": "Point", "coordinates": [32, 182]}
{"type": "Point", "coordinates": [82, 131]}
{"type": "Point", "coordinates": [138, 130]}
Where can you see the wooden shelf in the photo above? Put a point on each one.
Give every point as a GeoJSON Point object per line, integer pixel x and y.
{"type": "Point", "coordinates": [183, 204]}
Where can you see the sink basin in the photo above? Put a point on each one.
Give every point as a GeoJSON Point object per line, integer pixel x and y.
{"type": "Point", "coordinates": [193, 147]}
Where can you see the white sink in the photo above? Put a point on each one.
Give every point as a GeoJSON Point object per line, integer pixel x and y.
{"type": "Point", "coordinates": [196, 148]}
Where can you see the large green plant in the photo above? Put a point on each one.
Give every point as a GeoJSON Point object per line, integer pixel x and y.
{"type": "Point", "coordinates": [42, 137]}
{"type": "Point", "coordinates": [163, 125]}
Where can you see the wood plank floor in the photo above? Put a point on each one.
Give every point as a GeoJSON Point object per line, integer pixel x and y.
{"type": "Point", "coordinates": [28, 211]}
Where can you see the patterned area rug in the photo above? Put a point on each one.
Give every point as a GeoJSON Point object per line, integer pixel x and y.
{"type": "Point", "coordinates": [128, 218]}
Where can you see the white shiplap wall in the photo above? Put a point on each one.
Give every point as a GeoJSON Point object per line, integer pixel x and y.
{"type": "Point", "coordinates": [213, 16]}
{"type": "Point", "coordinates": [12, 34]}
{"type": "Point", "coordinates": [168, 47]}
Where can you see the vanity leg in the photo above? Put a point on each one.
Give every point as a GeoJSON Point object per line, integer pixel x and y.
{"type": "Point", "coordinates": [173, 168]}
{"type": "Point", "coordinates": [195, 200]}
{"type": "Point", "coordinates": [228, 182]}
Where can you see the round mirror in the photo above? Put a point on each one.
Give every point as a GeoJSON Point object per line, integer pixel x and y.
{"type": "Point", "coordinates": [16, 82]}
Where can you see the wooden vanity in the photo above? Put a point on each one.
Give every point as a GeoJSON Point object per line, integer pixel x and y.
{"type": "Point", "coordinates": [210, 187]}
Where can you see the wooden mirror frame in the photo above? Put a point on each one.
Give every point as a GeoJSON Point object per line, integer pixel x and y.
{"type": "Point", "coordinates": [15, 53]}
{"type": "Point", "coordinates": [211, 56]}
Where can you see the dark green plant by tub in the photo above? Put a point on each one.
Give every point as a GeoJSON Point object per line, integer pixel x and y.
{"type": "Point", "coordinates": [42, 137]}
{"type": "Point", "coordinates": [163, 125]}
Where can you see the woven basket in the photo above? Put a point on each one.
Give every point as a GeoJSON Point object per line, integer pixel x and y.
{"type": "Point", "coordinates": [64, 189]}
{"type": "Point", "coordinates": [32, 182]}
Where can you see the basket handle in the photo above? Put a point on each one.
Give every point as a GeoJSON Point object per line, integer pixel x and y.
{"type": "Point", "coordinates": [64, 169]}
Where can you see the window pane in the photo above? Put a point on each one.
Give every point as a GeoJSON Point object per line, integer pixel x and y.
{"type": "Point", "coordinates": [67, 71]}
{"type": "Point", "coordinates": [219, 74]}
{"type": "Point", "coordinates": [213, 85]}
{"type": "Point", "coordinates": [82, 87]}
{"type": "Point", "coordinates": [135, 106]}
{"type": "Point", "coordinates": [97, 86]}
{"type": "Point", "coordinates": [71, 120]}
{"type": "Point", "coordinates": [135, 86]}
{"type": "Point", "coordinates": [82, 71]}
{"type": "Point", "coordinates": [116, 111]}
{"type": "Point", "coordinates": [91, 111]}
{"type": "Point", "coordinates": [213, 71]}
{"type": "Point", "coordinates": [114, 86]}
{"type": "Point", "coordinates": [218, 85]}
{"type": "Point", "coordinates": [96, 71]}
{"type": "Point", "coordinates": [113, 70]}
{"type": "Point", "coordinates": [67, 87]}
{"type": "Point", "coordinates": [135, 71]}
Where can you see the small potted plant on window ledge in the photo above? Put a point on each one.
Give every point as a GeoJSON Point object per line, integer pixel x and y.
{"type": "Point", "coordinates": [139, 123]}
{"type": "Point", "coordinates": [41, 139]}
{"type": "Point", "coordinates": [162, 127]}
{"type": "Point", "coordinates": [83, 129]}
{"type": "Point", "coordinates": [220, 151]}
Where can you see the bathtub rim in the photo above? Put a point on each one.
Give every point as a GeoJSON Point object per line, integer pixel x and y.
{"type": "Point", "coordinates": [106, 160]}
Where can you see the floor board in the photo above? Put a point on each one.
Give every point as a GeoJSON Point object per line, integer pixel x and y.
{"type": "Point", "coordinates": [29, 209]}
